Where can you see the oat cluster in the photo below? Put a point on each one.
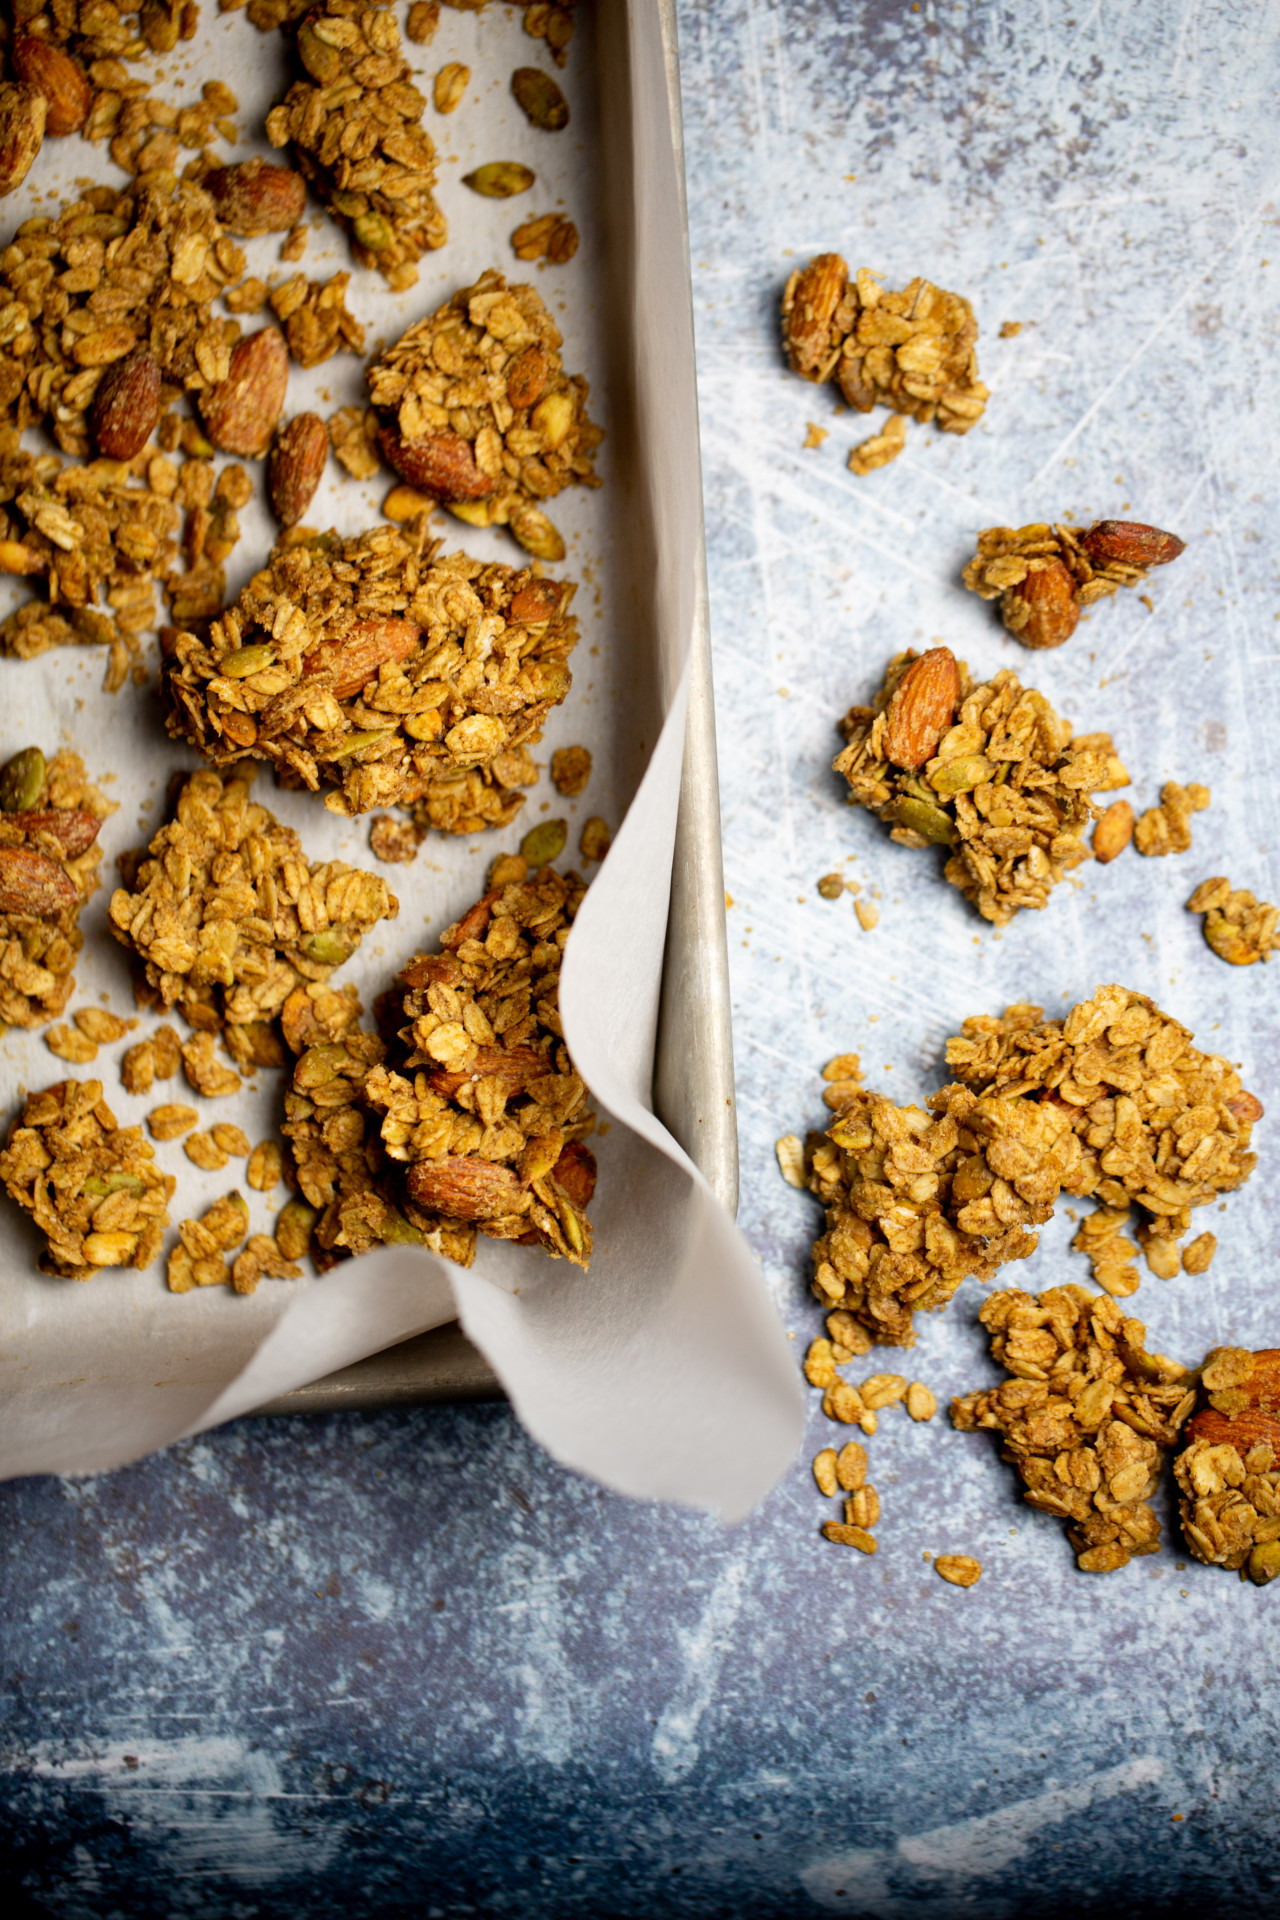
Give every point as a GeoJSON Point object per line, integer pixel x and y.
{"type": "Point", "coordinates": [914, 351]}
{"type": "Point", "coordinates": [1228, 1473]}
{"type": "Point", "coordinates": [355, 125]}
{"type": "Point", "coordinates": [227, 916]}
{"type": "Point", "coordinates": [1005, 787]}
{"type": "Point", "coordinates": [478, 412]}
{"type": "Point", "coordinates": [316, 320]}
{"type": "Point", "coordinates": [92, 1187]}
{"type": "Point", "coordinates": [1090, 563]}
{"type": "Point", "coordinates": [50, 814]}
{"type": "Point", "coordinates": [1086, 1416]}
{"type": "Point", "coordinates": [395, 678]}
{"type": "Point", "coordinates": [1167, 828]}
{"type": "Point", "coordinates": [1240, 928]}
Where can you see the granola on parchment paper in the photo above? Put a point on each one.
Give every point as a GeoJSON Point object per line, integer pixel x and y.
{"type": "Point", "coordinates": [92, 1187]}
{"type": "Point", "coordinates": [1240, 928]}
{"type": "Point", "coordinates": [549, 237]}
{"type": "Point", "coordinates": [1228, 1473]}
{"type": "Point", "coordinates": [914, 351]}
{"type": "Point", "coordinates": [986, 768]}
{"type": "Point", "coordinates": [227, 915]}
{"type": "Point", "coordinates": [355, 125]}
{"type": "Point", "coordinates": [369, 665]}
{"type": "Point", "coordinates": [50, 814]}
{"type": "Point", "coordinates": [1045, 575]}
{"type": "Point", "coordinates": [1167, 828]}
{"type": "Point", "coordinates": [316, 320]}
{"type": "Point", "coordinates": [1086, 1416]}
{"type": "Point", "coordinates": [478, 412]}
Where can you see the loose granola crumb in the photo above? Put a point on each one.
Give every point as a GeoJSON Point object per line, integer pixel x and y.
{"type": "Point", "coordinates": [203, 1151]}
{"type": "Point", "coordinates": [266, 1167]}
{"type": "Point", "coordinates": [831, 886]}
{"type": "Point", "coordinates": [813, 435]}
{"type": "Point", "coordinates": [1009, 329]}
{"type": "Point", "coordinates": [862, 1509]}
{"type": "Point", "coordinates": [392, 840]}
{"type": "Point", "coordinates": [1240, 928]}
{"type": "Point", "coordinates": [959, 1569]}
{"type": "Point", "coordinates": [204, 1072]}
{"type": "Point", "coordinates": [920, 1402]}
{"type": "Point", "coordinates": [595, 839]}
{"type": "Point", "coordinates": [1228, 1474]}
{"type": "Point", "coordinates": [353, 435]}
{"type": "Point", "coordinates": [790, 1152]}
{"type": "Point", "coordinates": [100, 1026]}
{"type": "Point", "coordinates": [68, 1044]}
{"type": "Point", "coordinates": [196, 1260]}
{"type": "Point", "coordinates": [570, 770]}
{"type": "Point", "coordinates": [424, 18]}
{"type": "Point", "coordinates": [881, 448]}
{"type": "Point", "coordinates": [1111, 1257]}
{"type": "Point", "coordinates": [868, 916]}
{"type": "Point", "coordinates": [1167, 828]}
{"type": "Point", "coordinates": [261, 1259]}
{"type": "Point", "coordinates": [171, 1121]}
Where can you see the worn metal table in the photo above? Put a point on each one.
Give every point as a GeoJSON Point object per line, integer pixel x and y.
{"type": "Point", "coordinates": [401, 1664]}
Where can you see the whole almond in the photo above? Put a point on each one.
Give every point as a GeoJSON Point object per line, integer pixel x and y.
{"type": "Point", "coordinates": [1128, 543]}
{"type": "Point", "coordinates": [254, 196]}
{"type": "Point", "coordinates": [465, 1188]}
{"type": "Point", "coordinates": [32, 884]}
{"type": "Point", "coordinates": [922, 708]}
{"type": "Point", "coordinates": [74, 828]}
{"type": "Point", "coordinates": [514, 1066]}
{"type": "Point", "coordinates": [295, 465]}
{"type": "Point", "coordinates": [538, 601]}
{"type": "Point", "coordinates": [1042, 610]}
{"type": "Point", "coordinates": [812, 299]}
{"type": "Point", "coordinates": [527, 376]}
{"type": "Point", "coordinates": [240, 413]}
{"type": "Point", "coordinates": [575, 1172]}
{"type": "Point", "coordinates": [62, 80]}
{"type": "Point", "coordinates": [540, 99]}
{"type": "Point", "coordinates": [23, 114]}
{"type": "Point", "coordinates": [126, 405]}
{"type": "Point", "coordinates": [442, 464]}
{"type": "Point", "coordinates": [1113, 832]}
{"type": "Point", "coordinates": [355, 659]}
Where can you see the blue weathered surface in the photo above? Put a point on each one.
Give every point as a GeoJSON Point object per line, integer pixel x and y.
{"type": "Point", "coordinates": [406, 1666]}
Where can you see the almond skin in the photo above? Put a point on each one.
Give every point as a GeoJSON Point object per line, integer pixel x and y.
{"type": "Point", "coordinates": [466, 1188]}
{"type": "Point", "coordinates": [1113, 832]}
{"type": "Point", "coordinates": [295, 465]}
{"type": "Point", "coordinates": [1246, 1107]}
{"type": "Point", "coordinates": [1128, 543]}
{"type": "Point", "coordinates": [442, 464]}
{"type": "Point", "coordinates": [537, 602]}
{"type": "Point", "coordinates": [255, 197]}
{"type": "Point", "coordinates": [815, 296]}
{"type": "Point", "coordinates": [31, 883]}
{"type": "Point", "coordinates": [240, 414]}
{"type": "Point", "coordinates": [516, 1066]}
{"type": "Point", "coordinates": [527, 377]}
{"type": "Point", "coordinates": [24, 113]}
{"type": "Point", "coordinates": [922, 708]}
{"type": "Point", "coordinates": [74, 828]}
{"type": "Point", "coordinates": [62, 80]}
{"type": "Point", "coordinates": [575, 1173]}
{"type": "Point", "coordinates": [355, 659]}
{"type": "Point", "coordinates": [1042, 611]}
{"type": "Point", "coordinates": [126, 405]}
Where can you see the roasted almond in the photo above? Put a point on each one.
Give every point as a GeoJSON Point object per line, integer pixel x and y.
{"type": "Point", "coordinates": [62, 80]}
{"type": "Point", "coordinates": [1113, 832]}
{"type": "Point", "coordinates": [23, 114]}
{"type": "Point", "coordinates": [812, 300]}
{"type": "Point", "coordinates": [126, 405]}
{"type": "Point", "coordinates": [466, 1188]}
{"type": "Point", "coordinates": [575, 1173]}
{"type": "Point", "coordinates": [240, 413]}
{"type": "Point", "coordinates": [527, 376]}
{"type": "Point", "coordinates": [1128, 543]}
{"type": "Point", "coordinates": [442, 464]}
{"type": "Point", "coordinates": [74, 828]}
{"type": "Point", "coordinates": [355, 659]}
{"type": "Point", "coordinates": [32, 884]}
{"type": "Point", "coordinates": [473, 922]}
{"type": "Point", "coordinates": [255, 196]}
{"type": "Point", "coordinates": [514, 1066]}
{"type": "Point", "coordinates": [538, 601]}
{"type": "Point", "coordinates": [1246, 1107]}
{"type": "Point", "coordinates": [295, 465]}
{"type": "Point", "coordinates": [1042, 610]}
{"type": "Point", "coordinates": [922, 708]}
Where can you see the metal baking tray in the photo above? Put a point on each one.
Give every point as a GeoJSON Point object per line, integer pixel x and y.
{"type": "Point", "coordinates": [693, 1069]}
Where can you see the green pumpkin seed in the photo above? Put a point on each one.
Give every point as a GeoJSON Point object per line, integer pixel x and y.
{"type": "Point", "coordinates": [373, 230]}
{"type": "Point", "coordinates": [21, 780]}
{"type": "Point", "coordinates": [537, 535]}
{"type": "Point", "coordinates": [327, 949]}
{"type": "Point", "coordinates": [1264, 1562]}
{"type": "Point", "coordinates": [925, 820]}
{"type": "Point", "coordinates": [962, 775]}
{"type": "Point", "coordinates": [396, 1231]}
{"type": "Point", "coordinates": [500, 179]}
{"type": "Point", "coordinates": [540, 99]}
{"type": "Point", "coordinates": [99, 1184]}
{"type": "Point", "coordinates": [294, 1224]}
{"type": "Point", "coordinates": [544, 843]}
{"type": "Point", "coordinates": [247, 660]}
{"type": "Point", "coordinates": [355, 741]}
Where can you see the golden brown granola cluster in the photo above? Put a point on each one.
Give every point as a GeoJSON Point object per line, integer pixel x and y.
{"type": "Point", "coordinates": [228, 916]}
{"type": "Point", "coordinates": [1239, 927]}
{"type": "Point", "coordinates": [1086, 1416]}
{"type": "Point", "coordinates": [368, 665]}
{"type": "Point", "coordinates": [49, 859]}
{"type": "Point", "coordinates": [914, 351]}
{"type": "Point", "coordinates": [987, 769]}
{"type": "Point", "coordinates": [479, 413]}
{"type": "Point", "coordinates": [355, 125]}
{"type": "Point", "coordinates": [316, 321]}
{"type": "Point", "coordinates": [1045, 575]}
{"type": "Point", "coordinates": [92, 1187]}
{"type": "Point", "coordinates": [1228, 1473]}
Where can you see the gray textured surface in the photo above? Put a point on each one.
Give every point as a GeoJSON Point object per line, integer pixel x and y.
{"type": "Point", "coordinates": [403, 1665]}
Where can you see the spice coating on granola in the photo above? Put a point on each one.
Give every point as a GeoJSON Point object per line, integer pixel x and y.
{"type": "Point", "coordinates": [92, 1187]}
{"type": "Point", "coordinates": [996, 776]}
{"type": "Point", "coordinates": [478, 412]}
{"type": "Point", "coordinates": [1045, 575]}
{"type": "Point", "coordinates": [368, 665]}
{"type": "Point", "coordinates": [1228, 1473]}
{"type": "Point", "coordinates": [50, 814]}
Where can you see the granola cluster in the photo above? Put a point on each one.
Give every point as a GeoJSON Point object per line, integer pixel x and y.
{"type": "Point", "coordinates": [49, 858]}
{"type": "Point", "coordinates": [996, 776]}
{"type": "Point", "coordinates": [316, 320]}
{"type": "Point", "coordinates": [1239, 927]}
{"type": "Point", "coordinates": [92, 1187]}
{"type": "Point", "coordinates": [1167, 828]}
{"type": "Point", "coordinates": [355, 125]}
{"type": "Point", "coordinates": [1228, 1473]}
{"type": "Point", "coordinates": [1086, 1416]}
{"type": "Point", "coordinates": [914, 351]}
{"type": "Point", "coordinates": [1044, 575]}
{"type": "Point", "coordinates": [368, 665]}
{"type": "Point", "coordinates": [478, 412]}
{"type": "Point", "coordinates": [227, 915]}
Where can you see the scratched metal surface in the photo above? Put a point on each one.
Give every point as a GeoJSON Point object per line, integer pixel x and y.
{"type": "Point", "coordinates": [405, 1666]}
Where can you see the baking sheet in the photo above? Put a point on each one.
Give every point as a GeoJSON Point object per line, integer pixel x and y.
{"type": "Point", "coordinates": [93, 1374]}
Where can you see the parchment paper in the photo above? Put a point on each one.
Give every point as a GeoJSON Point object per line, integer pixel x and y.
{"type": "Point", "coordinates": [639, 1372]}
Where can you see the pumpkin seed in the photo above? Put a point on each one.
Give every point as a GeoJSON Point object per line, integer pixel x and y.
{"type": "Point", "coordinates": [540, 99]}
{"type": "Point", "coordinates": [962, 775]}
{"type": "Point", "coordinates": [544, 843]}
{"type": "Point", "coordinates": [929, 822]}
{"type": "Point", "coordinates": [500, 179]}
{"type": "Point", "coordinates": [21, 780]}
{"type": "Point", "coordinates": [246, 660]}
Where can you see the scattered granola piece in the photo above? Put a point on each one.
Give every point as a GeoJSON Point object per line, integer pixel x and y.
{"type": "Point", "coordinates": [868, 916]}
{"type": "Point", "coordinates": [1198, 1257]}
{"type": "Point", "coordinates": [862, 1509]}
{"type": "Point", "coordinates": [540, 99]}
{"type": "Point", "coordinates": [1044, 575]}
{"type": "Point", "coordinates": [424, 18]}
{"type": "Point", "coordinates": [196, 1260]}
{"type": "Point", "coordinates": [913, 351]}
{"type": "Point", "coordinates": [1085, 1416]}
{"type": "Point", "coordinates": [881, 448]}
{"type": "Point", "coordinates": [813, 435]}
{"type": "Point", "coordinates": [92, 1187]}
{"type": "Point", "coordinates": [295, 467]}
{"type": "Point", "coordinates": [1240, 928]}
{"type": "Point", "coordinates": [500, 179]}
{"type": "Point", "coordinates": [261, 1259]}
{"type": "Point", "coordinates": [71, 1045]}
{"type": "Point", "coordinates": [166, 1051]}
{"type": "Point", "coordinates": [851, 1466]}
{"type": "Point", "coordinates": [959, 1569]}
{"type": "Point", "coordinates": [920, 1402]}
{"type": "Point", "coordinates": [294, 1226]}
{"type": "Point", "coordinates": [1113, 832]}
{"type": "Point", "coordinates": [544, 844]}
{"type": "Point", "coordinates": [570, 770]}
{"type": "Point", "coordinates": [172, 1121]}
{"type": "Point", "coordinates": [353, 435]}
{"type": "Point", "coordinates": [1009, 329]}
{"type": "Point", "coordinates": [450, 84]}
{"type": "Point", "coordinates": [824, 1470]}
{"type": "Point", "coordinates": [993, 773]}
{"type": "Point", "coordinates": [1160, 1251]}
{"type": "Point", "coordinates": [204, 1072]}
{"type": "Point", "coordinates": [831, 886]}
{"type": "Point", "coordinates": [525, 433]}
{"type": "Point", "coordinates": [367, 665]}
{"type": "Point", "coordinates": [549, 237]}
{"type": "Point", "coordinates": [138, 1068]}
{"type": "Point", "coordinates": [847, 1536]}
{"type": "Point", "coordinates": [203, 1151]}
{"type": "Point", "coordinates": [396, 841]}
{"type": "Point", "coordinates": [315, 318]}
{"type": "Point", "coordinates": [1111, 1256]}
{"type": "Point", "coordinates": [1228, 1473]}
{"type": "Point", "coordinates": [231, 1139]}
{"type": "Point", "coordinates": [294, 244]}
{"type": "Point", "coordinates": [50, 815]}
{"type": "Point", "coordinates": [100, 1026]}
{"type": "Point", "coordinates": [595, 839]}
{"type": "Point", "coordinates": [1167, 828]}
{"type": "Point", "coordinates": [266, 1167]}
{"type": "Point", "coordinates": [790, 1152]}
